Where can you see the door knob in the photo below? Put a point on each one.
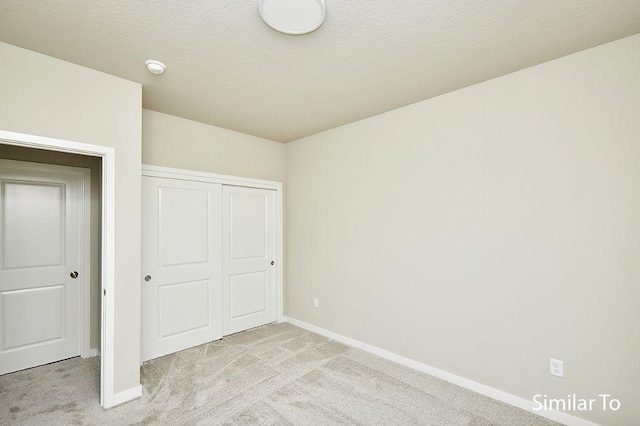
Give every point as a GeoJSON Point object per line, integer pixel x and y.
{"type": "Point", "coordinates": [147, 278]}
{"type": "Point", "coordinates": [273, 262]}
{"type": "Point", "coordinates": [74, 274]}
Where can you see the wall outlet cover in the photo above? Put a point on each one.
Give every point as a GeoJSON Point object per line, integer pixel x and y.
{"type": "Point", "coordinates": [556, 367]}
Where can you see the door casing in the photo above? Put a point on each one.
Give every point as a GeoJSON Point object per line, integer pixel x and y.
{"type": "Point", "coordinates": [108, 397]}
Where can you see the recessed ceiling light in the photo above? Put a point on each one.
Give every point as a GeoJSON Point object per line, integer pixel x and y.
{"type": "Point", "coordinates": [155, 67]}
{"type": "Point", "coordinates": [295, 17]}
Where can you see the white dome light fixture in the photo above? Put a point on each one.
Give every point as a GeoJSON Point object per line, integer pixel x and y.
{"type": "Point", "coordinates": [155, 67]}
{"type": "Point", "coordinates": [294, 17]}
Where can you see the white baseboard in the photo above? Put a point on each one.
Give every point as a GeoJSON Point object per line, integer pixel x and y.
{"type": "Point", "coordinates": [128, 395]}
{"type": "Point", "coordinates": [499, 395]}
{"type": "Point", "coordinates": [91, 353]}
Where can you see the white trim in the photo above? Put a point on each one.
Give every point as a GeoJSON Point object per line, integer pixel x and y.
{"type": "Point", "coordinates": [128, 395]}
{"type": "Point", "coordinates": [171, 173]}
{"type": "Point", "coordinates": [107, 364]}
{"type": "Point", "coordinates": [85, 262]}
{"type": "Point", "coordinates": [485, 390]}
{"type": "Point", "coordinates": [107, 341]}
{"type": "Point", "coordinates": [190, 175]}
{"type": "Point", "coordinates": [91, 353]}
{"type": "Point", "coordinates": [279, 254]}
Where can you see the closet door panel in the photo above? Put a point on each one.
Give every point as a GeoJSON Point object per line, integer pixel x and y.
{"type": "Point", "coordinates": [249, 256]}
{"type": "Point", "coordinates": [182, 263]}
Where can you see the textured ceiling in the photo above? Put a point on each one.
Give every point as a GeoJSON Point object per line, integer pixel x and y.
{"type": "Point", "coordinates": [227, 68]}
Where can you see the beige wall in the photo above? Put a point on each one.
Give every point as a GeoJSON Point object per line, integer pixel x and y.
{"type": "Point", "coordinates": [484, 231]}
{"type": "Point", "coordinates": [184, 144]}
{"type": "Point", "coordinates": [44, 96]}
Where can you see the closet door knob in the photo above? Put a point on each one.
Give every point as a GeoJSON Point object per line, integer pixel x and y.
{"type": "Point", "coordinates": [273, 262]}
{"type": "Point", "coordinates": [147, 278]}
{"type": "Point", "coordinates": [74, 274]}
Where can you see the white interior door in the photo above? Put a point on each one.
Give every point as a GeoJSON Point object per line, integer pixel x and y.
{"type": "Point", "coordinates": [249, 256]}
{"type": "Point", "coordinates": [41, 223]}
{"type": "Point", "coordinates": [181, 260]}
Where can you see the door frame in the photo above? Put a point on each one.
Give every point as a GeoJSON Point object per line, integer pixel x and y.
{"type": "Point", "coordinates": [107, 324]}
{"type": "Point", "coordinates": [190, 175]}
{"type": "Point", "coordinates": [85, 242]}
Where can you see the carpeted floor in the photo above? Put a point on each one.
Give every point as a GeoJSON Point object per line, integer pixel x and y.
{"type": "Point", "coordinates": [276, 374]}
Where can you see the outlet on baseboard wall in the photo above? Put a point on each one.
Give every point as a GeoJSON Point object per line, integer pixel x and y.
{"type": "Point", "coordinates": [556, 367]}
{"type": "Point", "coordinates": [316, 302]}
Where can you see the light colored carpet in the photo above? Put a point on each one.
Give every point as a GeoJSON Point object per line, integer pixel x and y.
{"type": "Point", "coordinates": [276, 374]}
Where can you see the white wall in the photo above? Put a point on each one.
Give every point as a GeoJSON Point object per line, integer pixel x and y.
{"type": "Point", "coordinates": [184, 144]}
{"type": "Point", "coordinates": [484, 231]}
{"type": "Point", "coordinates": [44, 96]}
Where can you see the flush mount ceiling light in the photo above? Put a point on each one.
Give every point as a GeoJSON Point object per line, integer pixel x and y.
{"type": "Point", "coordinates": [155, 67]}
{"type": "Point", "coordinates": [295, 17]}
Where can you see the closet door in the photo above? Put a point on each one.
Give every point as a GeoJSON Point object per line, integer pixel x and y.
{"type": "Point", "coordinates": [181, 263]}
{"type": "Point", "coordinates": [248, 258]}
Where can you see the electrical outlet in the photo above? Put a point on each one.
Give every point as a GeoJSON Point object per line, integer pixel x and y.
{"type": "Point", "coordinates": [556, 368]}
{"type": "Point", "coordinates": [316, 302]}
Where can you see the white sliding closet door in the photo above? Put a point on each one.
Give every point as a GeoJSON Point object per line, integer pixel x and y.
{"type": "Point", "coordinates": [181, 261]}
{"type": "Point", "coordinates": [249, 257]}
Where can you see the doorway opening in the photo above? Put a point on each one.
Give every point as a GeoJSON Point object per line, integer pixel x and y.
{"type": "Point", "coordinates": [48, 288]}
{"type": "Point", "coordinates": [97, 307]}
